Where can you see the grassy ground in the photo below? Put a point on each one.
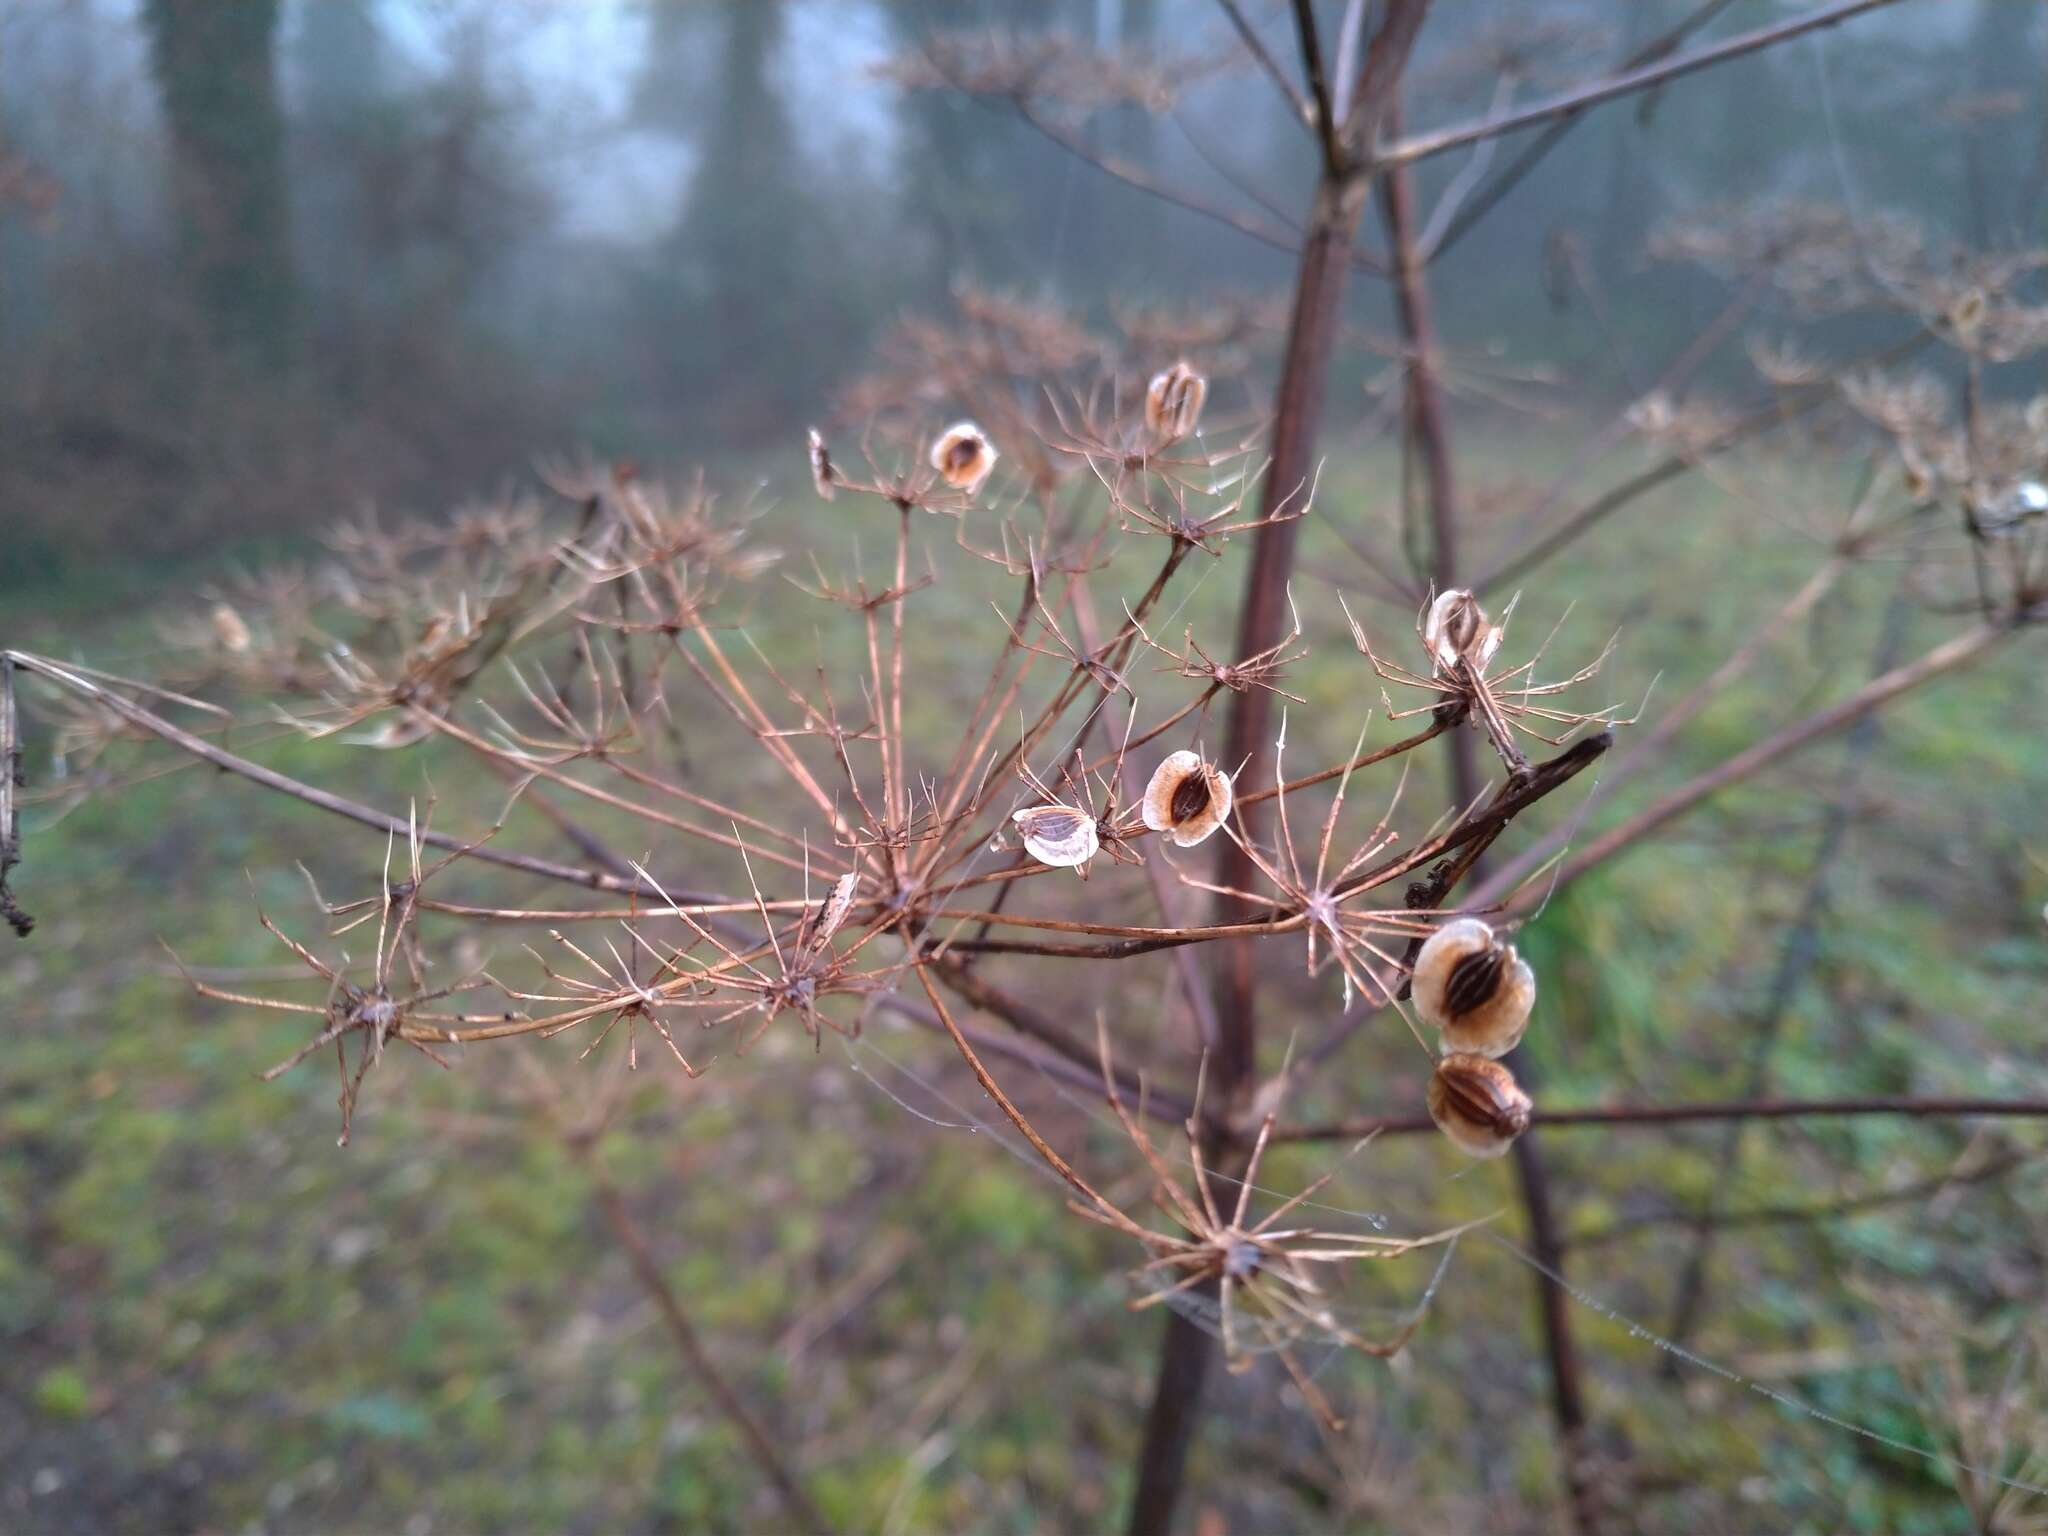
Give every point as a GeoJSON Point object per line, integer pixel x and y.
{"type": "Point", "coordinates": [212, 1318]}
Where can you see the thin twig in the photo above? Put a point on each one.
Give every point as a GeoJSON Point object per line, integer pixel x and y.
{"type": "Point", "coordinates": [1645, 1115]}
{"type": "Point", "coordinates": [1422, 146]}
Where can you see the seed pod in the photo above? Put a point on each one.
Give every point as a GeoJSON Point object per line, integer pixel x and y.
{"type": "Point", "coordinates": [229, 629]}
{"type": "Point", "coordinates": [1057, 835]}
{"type": "Point", "coordinates": [1472, 986]}
{"type": "Point", "coordinates": [1478, 1104]}
{"type": "Point", "coordinates": [2009, 512]}
{"type": "Point", "coordinates": [963, 456]}
{"type": "Point", "coordinates": [837, 905]}
{"type": "Point", "coordinates": [1457, 630]}
{"type": "Point", "coordinates": [1187, 798]}
{"type": "Point", "coordinates": [1966, 315]}
{"type": "Point", "coordinates": [821, 466]}
{"type": "Point", "coordinates": [1173, 403]}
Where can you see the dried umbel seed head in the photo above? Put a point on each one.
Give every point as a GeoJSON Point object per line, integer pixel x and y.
{"type": "Point", "coordinates": [1187, 798]}
{"type": "Point", "coordinates": [1173, 403]}
{"type": "Point", "coordinates": [1457, 630]}
{"type": "Point", "coordinates": [2010, 511]}
{"type": "Point", "coordinates": [1478, 1104]}
{"type": "Point", "coordinates": [229, 629]}
{"type": "Point", "coordinates": [963, 456]}
{"type": "Point", "coordinates": [1057, 835]}
{"type": "Point", "coordinates": [1471, 985]}
{"type": "Point", "coordinates": [821, 466]}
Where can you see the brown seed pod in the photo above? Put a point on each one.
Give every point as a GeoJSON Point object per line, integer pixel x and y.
{"type": "Point", "coordinates": [1057, 835]}
{"type": "Point", "coordinates": [1478, 1104]}
{"type": "Point", "coordinates": [1187, 798]}
{"type": "Point", "coordinates": [1457, 630]}
{"type": "Point", "coordinates": [1471, 985]}
{"type": "Point", "coordinates": [821, 466]}
{"type": "Point", "coordinates": [963, 456]}
{"type": "Point", "coordinates": [1173, 403]}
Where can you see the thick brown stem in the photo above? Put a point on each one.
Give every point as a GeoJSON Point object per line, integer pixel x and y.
{"type": "Point", "coordinates": [1326, 258]}
{"type": "Point", "coordinates": [1311, 340]}
{"type": "Point", "coordinates": [1263, 620]}
{"type": "Point", "coordinates": [1567, 1399]}
{"type": "Point", "coordinates": [1170, 1424]}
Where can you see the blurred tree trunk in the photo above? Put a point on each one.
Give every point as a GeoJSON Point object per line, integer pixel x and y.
{"type": "Point", "coordinates": [2004, 60]}
{"type": "Point", "coordinates": [215, 66]}
{"type": "Point", "coordinates": [756, 290]}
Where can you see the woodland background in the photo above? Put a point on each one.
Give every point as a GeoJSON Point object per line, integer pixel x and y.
{"type": "Point", "coordinates": [266, 265]}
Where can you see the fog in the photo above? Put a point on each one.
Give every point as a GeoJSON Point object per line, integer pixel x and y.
{"type": "Point", "coordinates": [258, 268]}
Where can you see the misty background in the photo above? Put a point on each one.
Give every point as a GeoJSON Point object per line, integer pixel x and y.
{"type": "Point", "coordinates": [265, 264]}
{"type": "Point", "coordinates": [262, 265]}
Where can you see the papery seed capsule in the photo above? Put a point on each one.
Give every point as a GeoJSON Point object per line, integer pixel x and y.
{"type": "Point", "coordinates": [1057, 835]}
{"type": "Point", "coordinates": [821, 466]}
{"type": "Point", "coordinates": [1173, 403]}
{"type": "Point", "coordinates": [1187, 798]}
{"type": "Point", "coordinates": [1471, 985]}
{"type": "Point", "coordinates": [229, 629]}
{"type": "Point", "coordinates": [2009, 512]}
{"type": "Point", "coordinates": [837, 905]}
{"type": "Point", "coordinates": [963, 456]}
{"type": "Point", "coordinates": [1478, 1104]}
{"type": "Point", "coordinates": [1457, 630]}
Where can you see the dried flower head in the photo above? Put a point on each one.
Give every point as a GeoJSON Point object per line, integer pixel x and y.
{"type": "Point", "coordinates": [1057, 835]}
{"type": "Point", "coordinates": [963, 456]}
{"type": "Point", "coordinates": [230, 630]}
{"type": "Point", "coordinates": [1478, 1104]}
{"type": "Point", "coordinates": [1187, 798]}
{"type": "Point", "coordinates": [1173, 403]}
{"type": "Point", "coordinates": [821, 466]}
{"type": "Point", "coordinates": [1470, 984]}
{"type": "Point", "coordinates": [2007, 513]}
{"type": "Point", "coordinates": [1457, 630]}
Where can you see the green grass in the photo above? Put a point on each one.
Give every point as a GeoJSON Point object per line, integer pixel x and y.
{"type": "Point", "coordinates": [213, 1317]}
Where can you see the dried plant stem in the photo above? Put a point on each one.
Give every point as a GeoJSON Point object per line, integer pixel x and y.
{"type": "Point", "coordinates": [1059, 1165]}
{"type": "Point", "coordinates": [1659, 737]}
{"type": "Point", "coordinates": [1960, 651]}
{"type": "Point", "coordinates": [1424, 145]}
{"type": "Point", "coordinates": [761, 1448]}
{"type": "Point", "coordinates": [1327, 253]}
{"type": "Point", "coordinates": [10, 780]}
{"type": "Point", "coordinates": [1534, 154]}
{"type": "Point", "coordinates": [1378, 755]}
{"type": "Point", "coordinates": [339, 805]}
{"type": "Point", "coordinates": [1798, 953]}
{"type": "Point", "coordinates": [975, 989]}
{"type": "Point", "coordinates": [1812, 1211]}
{"type": "Point", "coordinates": [1772, 413]}
{"type": "Point", "coordinates": [1931, 1107]}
